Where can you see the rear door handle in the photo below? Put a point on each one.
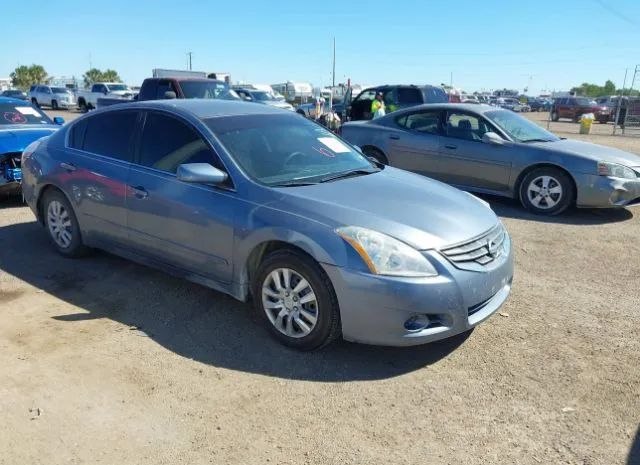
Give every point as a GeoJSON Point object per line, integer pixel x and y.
{"type": "Point", "coordinates": [69, 167]}
{"type": "Point", "coordinates": [450, 146]}
{"type": "Point", "coordinates": [394, 136]}
{"type": "Point", "coordinates": [140, 192]}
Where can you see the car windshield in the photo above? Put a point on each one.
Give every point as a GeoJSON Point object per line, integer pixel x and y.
{"type": "Point", "coordinates": [519, 128]}
{"type": "Point", "coordinates": [285, 149]}
{"type": "Point", "coordinates": [208, 90]}
{"type": "Point", "coordinates": [60, 90]}
{"type": "Point", "coordinates": [118, 87]}
{"type": "Point", "coordinates": [21, 114]}
{"type": "Point", "coordinates": [262, 96]}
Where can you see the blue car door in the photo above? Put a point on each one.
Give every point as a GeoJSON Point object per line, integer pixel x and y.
{"type": "Point", "coordinates": [188, 226]}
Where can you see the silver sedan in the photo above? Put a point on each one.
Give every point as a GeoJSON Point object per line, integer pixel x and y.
{"type": "Point", "coordinates": [494, 151]}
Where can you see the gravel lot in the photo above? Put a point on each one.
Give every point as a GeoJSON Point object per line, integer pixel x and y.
{"type": "Point", "coordinates": [105, 361]}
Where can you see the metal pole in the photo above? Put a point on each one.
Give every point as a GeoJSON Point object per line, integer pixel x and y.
{"type": "Point", "coordinates": [624, 83]}
{"type": "Point", "coordinates": [333, 76]}
{"type": "Point", "coordinates": [189, 55]}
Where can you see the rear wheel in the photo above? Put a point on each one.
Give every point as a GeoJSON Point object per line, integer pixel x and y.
{"type": "Point", "coordinates": [554, 116]}
{"type": "Point", "coordinates": [62, 225]}
{"type": "Point", "coordinates": [295, 300]}
{"type": "Point", "coordinates": [82, 105]}
{"type": "Point", "coordinates": [546, 191]}
{"type": "Point", "coordinates": [376, 154]}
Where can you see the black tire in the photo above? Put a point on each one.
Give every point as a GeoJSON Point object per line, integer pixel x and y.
{"type": "Point", "coordinates": [327, 326]}
{"type": "Point", "coordinates": [554, 116]}
{"type": "Point", "coordinates": [34, 102]}
{"type": "Point", "coordinates": [82, 105]}
{"type": "Point", "coordinates": [557, 178]}
{"type": "Point", "coordinates": [375, 154]}
{"type": "Point", "coordinates": [54, 104]}
{"type": "Point", "coordinates": [76, 247]}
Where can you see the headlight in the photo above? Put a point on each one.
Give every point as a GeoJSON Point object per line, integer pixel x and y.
{"type": "Point", "coordinates": [616, 171]}
{"type": "Point", "coordinates": [385, 255]}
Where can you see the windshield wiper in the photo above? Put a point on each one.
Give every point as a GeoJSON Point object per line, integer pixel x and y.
{"type": "Point", "coordinates": [348, 174]}
{"type": "Point", "coordinates": [294, 183]}
{"type": "Point", "coordinates": [537, 140]}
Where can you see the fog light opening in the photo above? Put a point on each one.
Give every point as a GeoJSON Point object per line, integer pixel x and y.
{"type": "Point", "coordinates": [417, 323]}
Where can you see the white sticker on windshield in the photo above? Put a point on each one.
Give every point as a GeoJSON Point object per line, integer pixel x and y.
{"type": "Point", "coordinates": [28, 111]}
{"type": "Point", "coordinates": [334, 144]}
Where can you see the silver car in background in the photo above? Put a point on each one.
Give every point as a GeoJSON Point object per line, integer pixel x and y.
{"type": "Point", "coordinates": [495, 151]}
{"type": "Point", "coordinates": [50, 96]}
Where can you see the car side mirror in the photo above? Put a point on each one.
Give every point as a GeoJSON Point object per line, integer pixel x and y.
{"type": "Point", "coordinates": [170, 95]}
{"type": "Point", "coordinates": [59, 120]}
{"type": "Point", "coordinates": [492, 138]}
{"type": "Point", "coordinates": [201, 173]}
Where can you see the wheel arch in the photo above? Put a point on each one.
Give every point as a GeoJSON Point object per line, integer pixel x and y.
{"type": "Point", "coordinates": [376, 148]}
{"type": "Point", "coordinates": [518, 183]}
{"type": "Point", "coordinates": [40, 197]}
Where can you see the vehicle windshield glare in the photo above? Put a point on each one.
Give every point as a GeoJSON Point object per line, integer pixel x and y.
{"type": "Point", "coordinates": [21, 114]}
{"type": "Point", "coordinates": [60, 90]}
{"type": "Point", "coordinates": [208, 90]}
{"type": "Point", "coordinates": [519, 128]}
{"type": "Point", "coordinates": [285, 149]}
{"type": "Point", "coordinates": [118, 87]}
{"type": "Point", "coordinates": [585, 102]}
{"type": "Point", "coordinates": [262, 96]}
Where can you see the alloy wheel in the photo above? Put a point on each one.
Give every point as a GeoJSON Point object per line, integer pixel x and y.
{"type": "Point", "coordinates": [59, 224]}
{"type": "Point", "coordinates": [544, 192]}
{"type": "Point", "coordinates": [290, 302]}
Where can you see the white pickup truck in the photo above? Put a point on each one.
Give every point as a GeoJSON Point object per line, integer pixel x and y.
{"type": "Point", "coordinates": [88, 99]}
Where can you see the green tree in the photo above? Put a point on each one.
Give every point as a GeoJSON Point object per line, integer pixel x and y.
{"type": "Point", "coordinates": [111, 75]}
{"type": "Point", "coordinates": [594, 90]}
{"type": "Point", "coordinates": [25, 76]}
{"type": "Point", "coordinates": [91, 76]}
{"type": "Point", "coordinates": [95, 75]}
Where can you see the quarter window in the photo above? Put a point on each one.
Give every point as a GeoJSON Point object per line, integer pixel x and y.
{"type": "Point", "coordinates": [168, 143]}
{"type": "Point", "coordinates": [110, 134]}
{"type": "Point", "coordinates": [409, 95]}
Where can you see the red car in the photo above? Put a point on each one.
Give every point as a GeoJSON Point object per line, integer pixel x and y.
{"type": "Point", "coordinates": [574, 107]}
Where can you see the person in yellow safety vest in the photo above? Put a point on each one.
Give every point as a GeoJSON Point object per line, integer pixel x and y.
{"type": "Point", "coordinates": [377, 106]}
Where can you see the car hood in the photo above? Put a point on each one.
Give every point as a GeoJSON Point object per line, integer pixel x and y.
{"type": "Point", "coordinates": [278, 104]}
{"type": "Point", "coordinates": [419, 211]}
{"type": "Point", "coordinates": [15, 138]}
{"type": "Point", "coordinates": [591, 151]}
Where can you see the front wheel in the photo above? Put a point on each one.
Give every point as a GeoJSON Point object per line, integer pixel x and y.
{"type": "Point", "coordinates": [54, 105]}
{"type": "Point", "coordinates": [546, 191]}
{"type": "Point", "coordinates": [34, 102]}
{"type": "Point", "coordinates": [554, 116]}
{"type": "Point", "coordinates": [62, 225]}
{"type": "Point", "coordinates": [82, 105]}
{"type": "Point", "coordinates": [295, 300]}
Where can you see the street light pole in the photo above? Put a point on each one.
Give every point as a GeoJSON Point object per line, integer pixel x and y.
{"type": "Point", "coordinates": [189, 55]}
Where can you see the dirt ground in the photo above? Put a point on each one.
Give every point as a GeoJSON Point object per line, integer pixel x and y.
{"type": "Point", "coordinates": [104, 361]}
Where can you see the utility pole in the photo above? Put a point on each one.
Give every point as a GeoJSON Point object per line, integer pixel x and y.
{"type": "Point", "coordinates": [624, 83]}
{"type": "Point", "coordinates": [333, 75]}
{"type": "Point", "coordinates": [189, 55]}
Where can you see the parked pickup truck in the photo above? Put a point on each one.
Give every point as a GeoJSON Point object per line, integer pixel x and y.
{"type": "Point", "coordinates": [177, 87]}
{"type": "Point", "coordinates": [88, 99]}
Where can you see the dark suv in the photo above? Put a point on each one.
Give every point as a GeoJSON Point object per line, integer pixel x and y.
{"type": "Point", "coordinates": [395, 97]}
{"type": "Point", "coordinates": [574, 107]}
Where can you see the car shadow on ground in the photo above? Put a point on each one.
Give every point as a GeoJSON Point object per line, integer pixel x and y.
{"type": "Point", "coordinates": [191, 320]}
{"type": "Point", "coordinates": [511, 208]}
{"type": "Point", "coordinates": [634, 452]}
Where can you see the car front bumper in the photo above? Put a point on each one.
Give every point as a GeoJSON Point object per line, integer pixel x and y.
{"type": "Point", "coordinates": [374, 309]}
{"type": "Point", "coordinates": [607, 192]}
{"type": "Point", "coordinates": [67, 103]}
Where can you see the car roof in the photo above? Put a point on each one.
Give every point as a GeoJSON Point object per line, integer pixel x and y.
{"type": "Point", "coordinates": [13, 100]}
{"type": "Point", "coordinates": [470, 107]}
{"type": "Point", "coordinates": [203, 108]}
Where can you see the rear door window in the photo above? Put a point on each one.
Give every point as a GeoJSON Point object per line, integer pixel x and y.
{"type": "Point", "coordinates": [111, 134]}
{"type": "Point", "coordinates": [409, 96]}
{"type": "Point", "coordinates": [465, 126]}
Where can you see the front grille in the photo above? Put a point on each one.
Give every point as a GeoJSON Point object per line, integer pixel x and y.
{"type": "Point", "coordinates": [478, 252]}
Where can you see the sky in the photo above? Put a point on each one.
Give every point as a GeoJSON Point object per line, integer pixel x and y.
{"type": "Point", "coordinates": [543, 45]}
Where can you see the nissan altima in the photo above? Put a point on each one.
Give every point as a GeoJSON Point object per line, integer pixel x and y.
{"type": "Point", "coordinates": [266, 206]}
{"type": "Point", "coordinates": [495, 151]}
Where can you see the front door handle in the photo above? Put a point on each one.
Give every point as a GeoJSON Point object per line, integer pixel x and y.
{"type": "Point", "coordinates": [140, 192]}
{"type": "Point", "coordinates": [394, 136]}
{"type": "Point", "coordinates": [450, 146]}
{"type": "Point", "coordinates": [68, 167]}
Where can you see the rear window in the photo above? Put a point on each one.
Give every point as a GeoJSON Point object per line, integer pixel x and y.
{"type": "Point", "coordinates": [435, 95]}
{"type": "Point", "coordinates": [111, 134]}
{"type": "Point", "coordinates": [21, 113]}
